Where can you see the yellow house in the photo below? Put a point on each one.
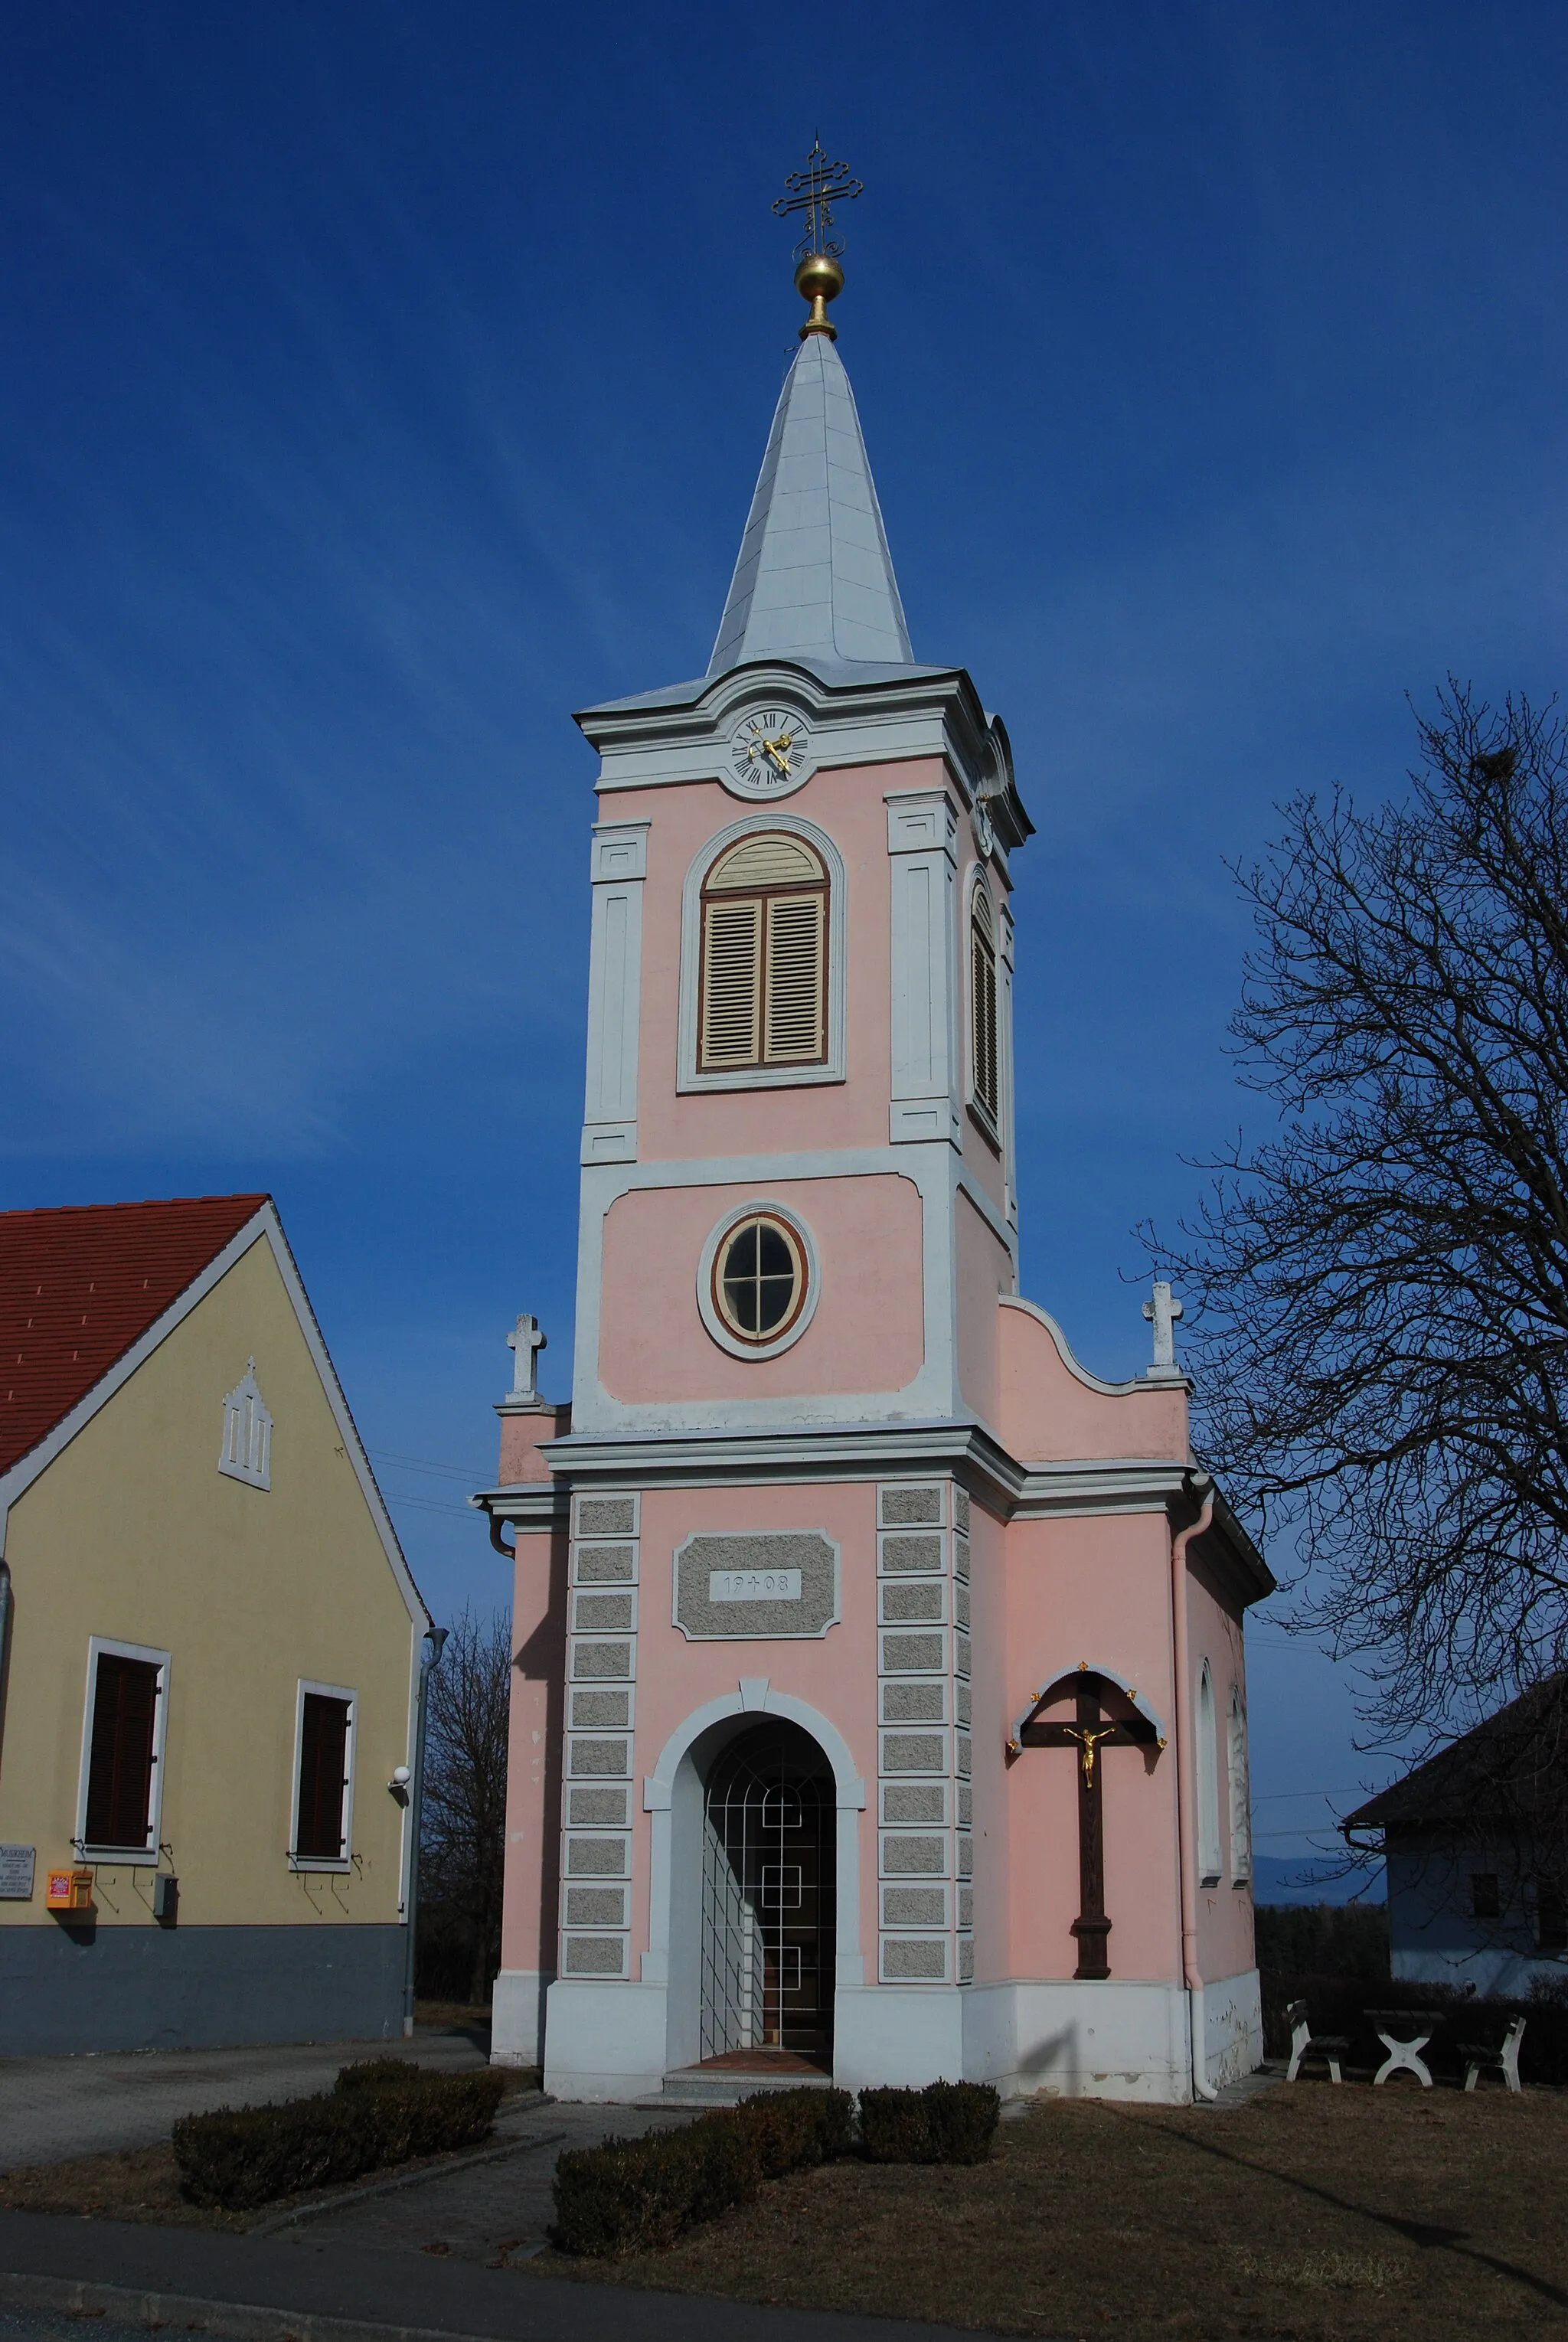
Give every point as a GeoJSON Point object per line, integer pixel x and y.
{"type": "Point", "coordinates": [209, 1648]}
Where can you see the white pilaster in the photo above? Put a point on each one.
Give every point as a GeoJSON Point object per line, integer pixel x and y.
{"type": "Point", "coordinates": [614, 992]}
{"type": "Point", "coordinates": [922, 846]}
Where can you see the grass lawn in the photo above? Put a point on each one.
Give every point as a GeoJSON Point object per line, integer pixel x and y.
{"type": "Point", "coordinates": [1310, 2212]}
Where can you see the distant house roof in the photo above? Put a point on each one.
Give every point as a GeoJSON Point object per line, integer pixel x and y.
{"type": "Point", "coordinates": [1512, 1766]}
{"type": "Point", "coordinates": [80, 1285]}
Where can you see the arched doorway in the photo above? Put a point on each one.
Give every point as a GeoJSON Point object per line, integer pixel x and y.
{"type": "Point", "coordinates": [768, 1896]}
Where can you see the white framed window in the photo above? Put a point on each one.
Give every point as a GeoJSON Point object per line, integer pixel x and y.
{"type": "Point", "coordinates": [762, 959]}
{"type": "Point", "coordinates": [1208, 1754]}
{"type": "Point", "coordinates": [125, 1730]}
{"type": "Point", "coordinates": [984, 1029]}
{"type": "Point", "coordinates": [321, 1833]}
{"type": "Point", "coordinates": [758, 1281]}
{"type": "Point", "coordinates": [247, 1452]}
{"type": "Point", "coordinates": [1241, 1793]}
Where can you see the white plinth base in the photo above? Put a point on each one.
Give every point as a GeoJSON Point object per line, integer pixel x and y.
{"type": "Point", "coordinates": [604, 2043]}
{"type": "Point", "coordinates": [517, 2017]}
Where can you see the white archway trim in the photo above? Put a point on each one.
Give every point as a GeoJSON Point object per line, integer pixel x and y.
{"type": "Point", "coordinates": [754, 1695]}
{"type": "Point", "coordinates": [1081, 1667]}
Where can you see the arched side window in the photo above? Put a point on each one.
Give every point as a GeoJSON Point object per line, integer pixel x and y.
{"type": "Point", "coordinates": [1208, 1754]}
{"type": "Point", "coordinates": [762, 986]}
{"type": "Point", "coordinates": [1240, 1798]}
{"type": "Point", "coordinates": [985, 1064]}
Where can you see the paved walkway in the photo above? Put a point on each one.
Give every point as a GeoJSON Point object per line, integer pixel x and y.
{"type": "Point", "coordinates": [262, 2289]}
{"type": "Point", "coordinates": [52, 2107]}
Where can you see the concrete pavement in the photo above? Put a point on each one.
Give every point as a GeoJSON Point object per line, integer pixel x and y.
{"type": "Point", "coordinates": [53, 2108]}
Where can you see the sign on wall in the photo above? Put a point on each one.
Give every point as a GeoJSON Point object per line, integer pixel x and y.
{"type": "Point", "coordinates": [16, 1872]}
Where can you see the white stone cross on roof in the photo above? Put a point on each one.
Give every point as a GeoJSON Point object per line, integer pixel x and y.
{"type": "Point", "coordinates": [526, 1340]}
{"type": "Point", "coordinates": [1162, 1312]}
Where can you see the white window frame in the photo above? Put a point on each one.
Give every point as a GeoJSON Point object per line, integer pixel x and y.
{"type": "Point", "coordinates": [990, 1123]}
{"type": "Point", "coordinates": [247, 1413]}
{"type": "Point", "coordinates": [762, 1208]}
{"type": "Point", "coordinates": [102, 1645]}
{"type": "Point", "coordinates": [689, 1075]}
{"type": "Point", "coordinates": [1210, 1853]}
{"type": "Point", "coordinates": [1240, 1791]}
{"type": "Point", "coordinates": [345, 1861]}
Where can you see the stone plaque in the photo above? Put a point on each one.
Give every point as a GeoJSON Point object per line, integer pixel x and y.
{"type": "Point", "coordinates": [16, 1872]}
{"type": "Point", "coordinates": [788, 1582]}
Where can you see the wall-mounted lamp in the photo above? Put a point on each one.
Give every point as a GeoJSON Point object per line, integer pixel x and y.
{"type": "Point", "coordinates": [398, 1784]}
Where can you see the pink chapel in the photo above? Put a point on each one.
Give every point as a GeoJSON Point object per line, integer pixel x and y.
{"type": "Point", "coordinates": [880, 1707]}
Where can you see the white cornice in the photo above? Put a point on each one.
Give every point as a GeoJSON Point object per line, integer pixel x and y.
{"type": "Point", "coordinates": [931, 712]}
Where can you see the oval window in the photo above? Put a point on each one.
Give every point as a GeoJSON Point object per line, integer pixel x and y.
{"type": "Point", "coordinates": [760, 1280]}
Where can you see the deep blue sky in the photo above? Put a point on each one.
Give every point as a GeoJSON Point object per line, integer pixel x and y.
{"type": "Point", "coordinates": [383, 380]}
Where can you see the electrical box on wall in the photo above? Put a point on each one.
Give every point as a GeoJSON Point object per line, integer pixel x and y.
{"type": "Point", "coordinates": [70, 1890]}
{"type": "Point", "coordinates": [165, 1899]}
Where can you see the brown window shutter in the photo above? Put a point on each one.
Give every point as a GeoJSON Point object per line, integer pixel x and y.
{"type": "Point", "coordinates": [982, 1005]}
{"type": "Point", "coordinates": [120, 1756]}
{"type": "Point", "coordinates": [732, 984]}
{"type": "Point", "coordinates": [795, 990]}
{"type": "Point", "coordinates": [323, 1777]}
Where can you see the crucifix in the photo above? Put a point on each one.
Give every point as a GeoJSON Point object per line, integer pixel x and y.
{"type": "Point", "coordinates": [813, 191]}
{"type": "Point", "coordinates": [526, 1340]}
{"type": "Point", "coordinates": [1091, 1731]}
{"type": "Point", "coordinates": [1162, 1312]}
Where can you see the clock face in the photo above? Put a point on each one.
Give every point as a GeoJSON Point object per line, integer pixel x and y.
{"type": "Point", "coordinates": [768, 753]}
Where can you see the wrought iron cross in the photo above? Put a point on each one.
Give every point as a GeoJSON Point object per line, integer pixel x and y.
{"type": "Point", "coordinates": [1091, 1731]}
{"type": "Point", "coordinates": [814, 191]}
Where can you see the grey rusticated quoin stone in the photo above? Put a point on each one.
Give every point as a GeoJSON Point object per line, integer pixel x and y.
{"type": "Point", "coordinates": [901, 1506]}
{"type": "Point", "coordinates": [599, 1711]}
{"type": "Point", "coordinates": [602, 1562]}
{"type": "Point", "coordinates": [597, 1808]}
{"type": "Point", "coordinates": [915, 1801]}
{"type": "Point", "coordinates": [912, 1601]}
{"type": "Point", "coordinates": [593, 1956]}
{"type": "Point", "coordinates": [907, 1553]}
{"type": "Point", "coordinates": [905, 1956]}
{"type": "Point", "coordinates": [602, 1660]}
{"type": "Point", "coordinates": [811, 1552]}
{"type": "Point", "coordinates": [609, 1516]}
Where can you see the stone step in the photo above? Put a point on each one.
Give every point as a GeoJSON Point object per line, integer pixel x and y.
{"type": "Point", "coordinates": [726, 2086]}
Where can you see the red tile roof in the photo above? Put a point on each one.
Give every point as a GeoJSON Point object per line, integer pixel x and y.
{"type": "Point", "coordinates": [79, 1285]}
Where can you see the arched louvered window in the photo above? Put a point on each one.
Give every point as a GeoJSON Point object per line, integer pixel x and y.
{"type": "Point", "coordinates": [1208, 1769]}
{"type": "Point", "coordinates": [982, 1003]}
{"type": "Point", "coordinates": [763, 984]}
{"type": "Point", "coordinates": [1241, 1800]}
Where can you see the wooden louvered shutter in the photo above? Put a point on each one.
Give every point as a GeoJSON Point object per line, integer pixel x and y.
{"type": "Point", "coordinates": [795, 990]}
{"type": "Point", "coordinates": [732, 983]}
{"type": "Point", "coordinates": [983, 1009]}
{"type": "Point", "coordinates": [322, 1776]}
{"type": "Point", "coordinates": [120, 1757]}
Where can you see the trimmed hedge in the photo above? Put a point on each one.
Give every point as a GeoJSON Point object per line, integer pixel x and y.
{"type": "Point", "coordinates": [634, 2195]}
{"type": "Point", "coordinates": [379, 2112]}
{"type": "Point", "coordinates": [948, 2122]}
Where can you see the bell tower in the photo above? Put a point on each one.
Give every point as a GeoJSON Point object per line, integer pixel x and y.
{"type": "Point", "coordinates": [827, 1490]}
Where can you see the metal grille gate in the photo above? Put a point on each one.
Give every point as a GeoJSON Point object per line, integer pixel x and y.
{"type": "Point", "coordinates": [768, 1848]}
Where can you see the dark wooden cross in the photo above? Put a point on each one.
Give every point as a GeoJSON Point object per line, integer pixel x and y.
{"type": "Point", "coordinates": [1091, 1731]}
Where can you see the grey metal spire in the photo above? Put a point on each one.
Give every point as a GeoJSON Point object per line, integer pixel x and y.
{"type": "Point", "coordinates": [815, 578]}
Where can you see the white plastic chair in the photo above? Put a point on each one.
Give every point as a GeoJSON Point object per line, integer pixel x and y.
{"type": "Point", "coordinates": [1478, 2057]}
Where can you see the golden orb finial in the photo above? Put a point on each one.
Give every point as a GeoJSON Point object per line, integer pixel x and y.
{"type": "Point", "coordinates": [818, 276]}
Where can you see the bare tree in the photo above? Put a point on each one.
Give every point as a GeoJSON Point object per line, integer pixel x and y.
{"type": "Point", "coordinates": [1381, 1335]}
{"type": "Point", "coordinates": [463, 1834]}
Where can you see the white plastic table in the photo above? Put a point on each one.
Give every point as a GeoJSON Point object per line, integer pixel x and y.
{"type": "Point", "coordinates": [1403, 2046]}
